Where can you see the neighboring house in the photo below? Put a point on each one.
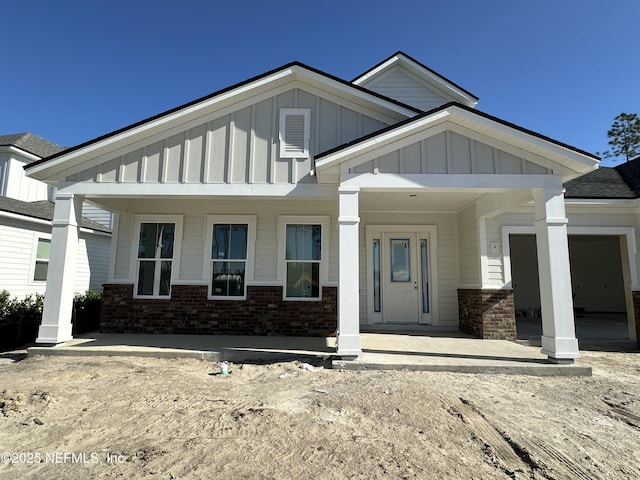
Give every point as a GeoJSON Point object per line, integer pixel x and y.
{"type": "Point", "coordinates": [297, 203]}
{"type": "Point", "coordinates": [26, 216]}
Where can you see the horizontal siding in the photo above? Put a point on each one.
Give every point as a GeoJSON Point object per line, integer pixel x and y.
{"type": "Point", "coordinates": [404, 87]}
{"type": "Point", "coordinates": [92, 262]}
{"type": "Point", "coordinates": [123, 247]}
{"type": "Point", "coordinates": [192, 257]}
{"type": "Point", "coordinates": [450, 152]}
{"type": "Point", "coordinates": [16, 257]}
{"type": "Point", "coordinates": [239, 147]}
{"type": "Point", "coordinates": [98, 215]}
{"type": "Point", "coordinates": [595, 218]}
{"type": "Point", "coordinates": [494, 234]}
{"type": "Point", "coordinates": [469, 254]}
{"type": "Point", "coordinates": [17, 241]}
{"type": "Point", "coordinates": [193, 248]}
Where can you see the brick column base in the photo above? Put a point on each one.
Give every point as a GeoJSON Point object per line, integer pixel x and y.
{"type": "Point", "coordinates": [189, 311]}
{"type": "Point", "coordinates": [636, 314]}
{"type": "Point", "coordinates": [488, 314]}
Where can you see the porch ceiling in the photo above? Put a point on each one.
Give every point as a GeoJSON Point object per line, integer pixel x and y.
{"type": "Point", "coordinates": [417, 201]}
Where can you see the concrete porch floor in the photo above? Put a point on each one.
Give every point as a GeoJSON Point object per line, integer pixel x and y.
{"type": "Point", "coordinates": [435, 351]}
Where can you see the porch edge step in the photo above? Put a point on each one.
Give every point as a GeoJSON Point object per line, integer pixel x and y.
{"type": "Point", "coordinates": [538, 370]}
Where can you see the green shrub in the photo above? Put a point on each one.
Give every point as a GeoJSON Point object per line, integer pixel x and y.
{"type": "Point", "coordinates": [86, 308]}
{"type": "Point", "coordinates": [86, 311]}
{"type": "Point", "coordinates": [13, 310]}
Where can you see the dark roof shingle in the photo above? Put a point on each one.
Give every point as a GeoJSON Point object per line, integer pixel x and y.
{"type": "Point", "coordinates": [42, 209]}
{"type": "Point", "coordinates": [31, 143]}
{"type": "Point", "coordinates": [621, 181]}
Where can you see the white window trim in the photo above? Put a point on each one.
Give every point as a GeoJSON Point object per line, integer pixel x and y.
{"type": "Point", "coordinates": [34, 258]}
{"type": "Point", "coordinates": [324, 222]}
{"type": "Point", "coordinates": [177, 249]}
{"type": "Point", "coordinates": [307, 131]}
{"type": "Point", "coordinates": [251, 221]}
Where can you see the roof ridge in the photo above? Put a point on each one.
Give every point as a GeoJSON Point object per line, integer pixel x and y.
{"type": "Point", "coordinates": [466, 108]}
{"type": "Point", "coordinates": [422, 65]}
{"type": "Point", "coordinates": [220, 92]}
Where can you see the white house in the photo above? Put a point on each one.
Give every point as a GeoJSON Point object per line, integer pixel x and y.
{"type": "Point", "coordinates": [298, 203]}
{"type": "Point", "coordinates": [26, 214]}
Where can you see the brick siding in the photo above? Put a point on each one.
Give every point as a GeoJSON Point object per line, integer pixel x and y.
{"type": "Point", "coordinates": [188, 311]}
{"type": "Point", "coordinates": [488, 314]}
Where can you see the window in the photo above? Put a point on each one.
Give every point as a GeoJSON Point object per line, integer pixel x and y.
{"type": "Point", "coordinates": [42, 260]}
{"type": "Point", "coordinates": [304, 254]}
{"type": "Point", "coordinates": [230, 256]}
{"type": "Point", "coordinates": [155, 258]}
{"type": "Point", "coordinates": [156, 251]}
{"type": "Point", "coordinates": [228, 259]}
{"type": "Point", "coordinates": [295, 131]}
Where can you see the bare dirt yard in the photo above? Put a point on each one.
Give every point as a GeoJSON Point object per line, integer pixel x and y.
{"type": "Point", "coordinates": [125, 417]}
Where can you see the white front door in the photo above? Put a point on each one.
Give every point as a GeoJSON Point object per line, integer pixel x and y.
{"type": "Point", "coordinates": [401, 273]}
{"type": "Point", "coordinates": [401, 284]}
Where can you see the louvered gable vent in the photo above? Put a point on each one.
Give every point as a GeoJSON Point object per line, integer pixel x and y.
{"type": "Point", "coordinates": [294, 132]}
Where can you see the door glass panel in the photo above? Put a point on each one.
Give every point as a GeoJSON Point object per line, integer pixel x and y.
{"type": "Point", "coordinates": [424, 268]}
{"type": "Point", "coordinates": [376, 275]}
{"type": "Point", "coordinates": [400, 271]}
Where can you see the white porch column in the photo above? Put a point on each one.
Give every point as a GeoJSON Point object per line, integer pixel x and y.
{"type": "Point", "coordinates": [558, 327]}
{"type": "Point", "coordinates": [58, 299]}
{"type": "Point", "coordinates": [348, 338]}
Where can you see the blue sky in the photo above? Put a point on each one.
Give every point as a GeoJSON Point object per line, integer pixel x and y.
{"type": "Point", "coordinates": [75, 70]}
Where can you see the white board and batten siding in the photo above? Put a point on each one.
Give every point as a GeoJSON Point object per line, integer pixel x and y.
{"type": "Point", "coordinates": [15, 184]}
{"type": "Point", "coordinates": [449, 152]}
{"type": "Point", "coordinates": [18, 242]}
{"type": "Point", "coordinates": [239, 147]}
{"type": "Point", "coordinates": [193, 269]}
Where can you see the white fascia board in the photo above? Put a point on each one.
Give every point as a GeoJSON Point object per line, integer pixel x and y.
{"type": "Point", "coordinates": [376, 71]}
{"type": "Point", "coordinates": [430, 78]}
{"type": "Point", "coordinates": [579, 163]}
{"type": "Point", "coordinates": [379, 140]}
{"type": "Point", "coordinates": [354, 92]}
{"type": "Point", "coordinates": [602, 202]}
{"type": "Point", "coordinates": [133, 190]}
{"type": "Point", "coordinates": [574, 162]}
{"type": "Point", "coordinates": [167, 120]}
{"type": "Point", "coordinates": [295, 72]}
{"type": "Point", "coordinates": [24, 218]}
{"type": "Point", "coordinates": [19, 151]}
{"type": "Point", "coordinates": [416, 181]}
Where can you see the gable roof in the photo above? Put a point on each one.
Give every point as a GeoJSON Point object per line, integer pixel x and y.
{"type": "Point", "coordinates": [426, 74]}
{"type": "Point", "coordinates": [619, 182]}
{"type": "Point", "coordinates": [287, 73]}
{"type": "Point", "coordinates": [42, 210]}
{"type": "Point", "coordinates": [575, 158]}
{"type": "Point", "coordinates": [31, 143]}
